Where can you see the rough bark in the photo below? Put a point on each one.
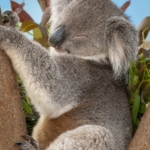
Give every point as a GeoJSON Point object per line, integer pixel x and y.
{"type": "Point", "coordinates": [12, 120]}
{"type": "Point", "coordinates": [141, 139]}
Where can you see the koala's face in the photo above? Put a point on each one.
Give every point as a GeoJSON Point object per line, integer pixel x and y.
{"type": "Point", "coordinates": [79, 29]}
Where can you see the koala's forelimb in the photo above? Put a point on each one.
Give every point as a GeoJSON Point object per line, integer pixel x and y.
{"type": "Point", "coordinates": [33, 63]}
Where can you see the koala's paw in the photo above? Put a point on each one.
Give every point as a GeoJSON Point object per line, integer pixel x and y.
{"type": "Point", "coordinates": [10, 18]}
{"type": "Point", "coordinates": [29, 144]}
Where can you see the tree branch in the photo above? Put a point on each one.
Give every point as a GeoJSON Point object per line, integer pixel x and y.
{"type": "Point", "coordinates": [141, 139]}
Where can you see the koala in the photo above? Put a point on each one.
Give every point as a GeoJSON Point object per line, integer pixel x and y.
{"type": "Point", "coordinates": [78, 86]}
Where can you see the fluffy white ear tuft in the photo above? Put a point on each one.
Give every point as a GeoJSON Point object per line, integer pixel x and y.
{"type": "Point", "coordinates": [122, 43]}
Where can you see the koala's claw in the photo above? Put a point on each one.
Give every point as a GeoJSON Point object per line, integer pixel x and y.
{"type": "Point", "coordinates": [30, 140]}
{"type": "Point", "coordinates": [29, 144]}
{"type": "Point", "coordinates": [9, 18]}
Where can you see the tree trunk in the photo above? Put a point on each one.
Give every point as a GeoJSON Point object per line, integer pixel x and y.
{"type": "Point", "coordinates": [44, 4]}
{"type": "Point", "coordinates": [12, 120]}
{"type": "Point", "coordinates": [141, 139]}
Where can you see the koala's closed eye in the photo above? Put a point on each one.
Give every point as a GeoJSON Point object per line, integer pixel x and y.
{"type": "Point", "coordinates": [78, 36]}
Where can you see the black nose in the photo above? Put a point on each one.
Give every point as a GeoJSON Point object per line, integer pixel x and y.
{"type": "Point", "coordinates": [57, 38]}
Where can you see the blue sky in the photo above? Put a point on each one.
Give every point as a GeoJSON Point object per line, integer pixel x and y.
{"type": "Point", "coordinates": [136, 11]}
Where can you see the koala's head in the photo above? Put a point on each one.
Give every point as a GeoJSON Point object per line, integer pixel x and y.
{"type": "Point", "coordinates": [79, 29]}
{"type": "Point", "coordinates": [10, 18]}
{"type": "Point", "coordinates": [94, 28]}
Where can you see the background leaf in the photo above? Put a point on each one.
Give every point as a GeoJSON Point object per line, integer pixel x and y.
{"type": "Point", "coordinates": [28, 25]}
{"type": "Point", "coordinates": [136, 106]}
{"type": "Point", "coordinates": [144, 28]}
{"type": "Point", "coordinates": [23, 15]}
{"type": "Point", "coordinates": [26, 107]}
{"type": "Point", "coordinates": [125, 6]}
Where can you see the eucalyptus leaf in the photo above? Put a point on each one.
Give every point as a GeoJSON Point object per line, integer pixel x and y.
{"type": "Point", "coordinates": [135, 79]}
{"type": "Point", "coordinates": [37, 33]}
{"type": "Point", "coordinates": [142, 108]}
{"type": "Point", "coordinates": [26, 107]}
{"type": "Point", "coordinates": [145, 94]}
{"type": "Point", "coordinates": [136, 106]}
{"type": "Point", "coordinates": [28, 25]}
{"type": "Point", "coordinates": [144, 29]}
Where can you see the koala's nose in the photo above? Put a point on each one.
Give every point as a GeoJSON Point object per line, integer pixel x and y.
{"type": "Point", "coordinates": [58, 36]}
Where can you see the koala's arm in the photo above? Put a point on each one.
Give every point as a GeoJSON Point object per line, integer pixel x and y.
{"type": "Point", "coordinates": [46, 78]}
{"type": "Point", "coordinates": [85, 137]}
{"type": "Point", "coordinates": [31, 61]}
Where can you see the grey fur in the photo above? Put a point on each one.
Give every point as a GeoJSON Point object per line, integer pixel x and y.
{"type": "Point", "coordinates": [10, 19]}
{"type": "Point", "coordinates": [93, 27]}
{"type": "Point", "coordinates": [100, 22]}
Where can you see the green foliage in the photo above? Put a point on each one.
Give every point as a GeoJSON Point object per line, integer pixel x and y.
{"type": "Point", "coordinates": [31, 117]}
{"type": "Point", "coordinates": [24, 98]}
{"type": "Point", "coordinates": [139, 87]}
{"type": "Point", "coordinates": [139, 76]}
{"type": "Point", "coordinates": [31, 121]}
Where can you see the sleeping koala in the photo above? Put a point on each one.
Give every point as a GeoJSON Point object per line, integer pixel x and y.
{"type": "Point", "coordinates": [78, 87]}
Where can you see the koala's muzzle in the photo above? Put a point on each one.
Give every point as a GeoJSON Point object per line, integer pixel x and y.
{"type": "Point", "coordinates": [58, 36]}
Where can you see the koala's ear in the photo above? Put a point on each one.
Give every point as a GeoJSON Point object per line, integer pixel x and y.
{"type": "Point", "coordinates": [122, 43]}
